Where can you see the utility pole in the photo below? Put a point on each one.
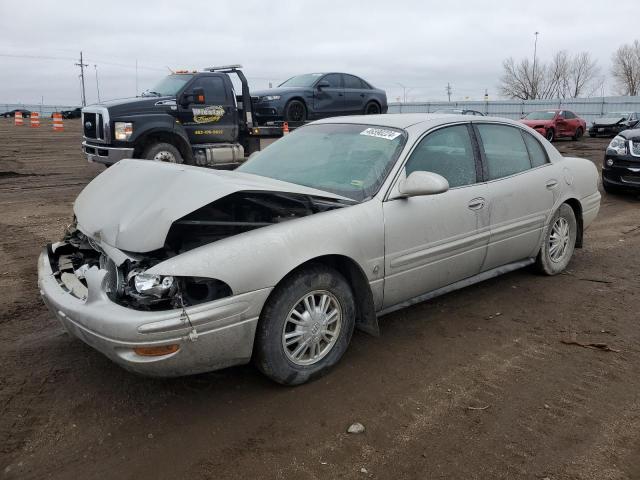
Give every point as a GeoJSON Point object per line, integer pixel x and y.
{"type": "Point", "coordinates": [82, 65]}
{"type": "Point", "coordinates": [404, 92]}
{"type": "Point", "coordinates": [449, 90]}
{"type": "Point", "coordinates": [97, 84]}
{"type": "Point", "coordinates": [534, 83]}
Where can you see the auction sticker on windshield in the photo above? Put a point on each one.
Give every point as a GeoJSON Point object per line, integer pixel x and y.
{"type": "Point", "coordinates": [381, 133]}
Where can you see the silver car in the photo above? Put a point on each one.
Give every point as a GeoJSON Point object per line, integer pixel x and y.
{"type": "Point", "coordinates": [172, 270]}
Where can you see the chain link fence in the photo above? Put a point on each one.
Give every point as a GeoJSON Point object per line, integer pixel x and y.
{"type": "Point", "coordinates": [587, 108]}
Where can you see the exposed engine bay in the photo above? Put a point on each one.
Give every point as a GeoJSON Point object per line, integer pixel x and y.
{"type": "Point", "coordinates": [129, 285]}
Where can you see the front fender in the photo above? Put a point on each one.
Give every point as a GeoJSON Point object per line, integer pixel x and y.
{"type": "Point", "coordinates": [262, 257]}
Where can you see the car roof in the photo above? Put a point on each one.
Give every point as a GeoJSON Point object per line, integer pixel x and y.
{"type": "Point", "coordinates": [406, 120]}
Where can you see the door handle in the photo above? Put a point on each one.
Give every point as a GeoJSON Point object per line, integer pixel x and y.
{"type": "Point", "coordinates": [476, 203]}
{"type": "Point", "coordinates": [339, 94]}
{"type": "Point", "coordinates": [362, 95]}
{"type": "Point", "coordinates": [552, 183]}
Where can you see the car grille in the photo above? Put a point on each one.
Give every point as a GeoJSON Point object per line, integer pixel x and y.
{"type": "Point", "coordinates": [634, 179]}
{"type": "Point", "coordinates": [635, 148]}
{"type": "Point", "coordinates": [93, 126]}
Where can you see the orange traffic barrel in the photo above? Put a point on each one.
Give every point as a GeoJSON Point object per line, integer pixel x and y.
{"type": "Point", "coordinates": [35, 119]}
{"type": "Point", "coordinates": [58, 126]}
{"type": "Point", "coordinates": [18, 119]}
{"type": "Point", "coordinates": [285, 128]}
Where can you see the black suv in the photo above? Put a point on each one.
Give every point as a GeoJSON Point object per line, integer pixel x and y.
{"type": "Point", "coordinates": [621, 169]}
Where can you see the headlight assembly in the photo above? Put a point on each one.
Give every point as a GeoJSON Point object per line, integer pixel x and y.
{"type": "Point", "coordinates": [154, 285]}
{"type": "Point", "coordinates": [618, 145]}
{"type": "Point", "coordinates": [270, 98]}
{"type": "Point", "coordinates": [123, 130]}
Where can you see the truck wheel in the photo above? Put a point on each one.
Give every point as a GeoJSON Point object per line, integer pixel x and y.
{"type": "Point", "coordinates": [295, 111]}
{"type": "Point", "coordinates": [306, 326]}
{"type": "Point", "coordinates": [372, 108]}
{"type": "Point", "coordinates": [163, 152]}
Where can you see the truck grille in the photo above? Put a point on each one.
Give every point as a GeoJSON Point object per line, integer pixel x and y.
{"type": "Point", "coordinates": [93, 126]}
{"type": "Point", "coordinates": [635, 148]}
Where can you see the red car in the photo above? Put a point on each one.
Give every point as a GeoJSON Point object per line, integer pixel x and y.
{"type": "Point", "coordinates": [554, 124]}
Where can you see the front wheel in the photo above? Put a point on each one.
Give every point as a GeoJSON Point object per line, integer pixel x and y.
{"type": "Point", "coordinates": [295, 111]}
{"type": "Point", "coordinates": [558, 241]}
{"type": "Point", "coordinates": [550, 135]}
{"type": "Point", "coordinates": [163, 152]}
{"type": "Point", "coordinates": [372, 108]}
{"type": "Point", "coordinates": [306, 326]}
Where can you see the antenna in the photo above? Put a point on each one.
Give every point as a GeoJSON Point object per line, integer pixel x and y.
{"type": "Point", "coordinates": [97, 84]}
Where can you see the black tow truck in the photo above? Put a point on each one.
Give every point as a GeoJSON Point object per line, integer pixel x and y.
{"type": "Point", "coordinates": [188, 117]}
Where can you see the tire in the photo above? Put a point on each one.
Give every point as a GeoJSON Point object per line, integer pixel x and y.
{"type": "Point", "coordinates": [372, 108]}
{"type": "Point", "coordinates": [163, 152]}
{"type": "Point", "coordinates": [550, 135]}
{"type": "Point", "coordinates": [295, 111]}
{"type": "Point", "coordinates": [592, 135]}
{"type": "Point", "coordinates": [578, 133]}
{"type": "Point", "coordinates": [277, 360]}
{"type": "Point", "coordinates": [564, 227]}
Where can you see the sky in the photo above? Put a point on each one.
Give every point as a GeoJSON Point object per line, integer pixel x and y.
{"type": "Point", "coordinates": [419, 45]}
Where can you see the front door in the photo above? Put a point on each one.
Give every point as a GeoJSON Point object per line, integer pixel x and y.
{"type": "Point", "coordinates": [521, 188]}
{"type": "Point", "coordinates": [215, 118]}
{"type": "Point", "coordinates": [329, 100]}
{"type": "Point", "coordinates": [435, 240]}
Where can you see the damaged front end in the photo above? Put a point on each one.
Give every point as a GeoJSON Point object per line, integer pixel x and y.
{"type": "Point", "coordinates": [127, 284]}
{"type": "Point", "coordinates": [127, 281]}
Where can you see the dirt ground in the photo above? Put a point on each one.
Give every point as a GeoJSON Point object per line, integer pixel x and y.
{"type": "Point", "coordinates": [475, 384]}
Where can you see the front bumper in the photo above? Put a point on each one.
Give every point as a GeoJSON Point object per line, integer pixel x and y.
{"type": "Point", "coordinates": [211, 336]}
{"type": "Point", "coordinates": [624, 173]}
{"type": "Point", "coordinates": [104, 154]}
{"type": "Point", "coordinates": [606, 130]}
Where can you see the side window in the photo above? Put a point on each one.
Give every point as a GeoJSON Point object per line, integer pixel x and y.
{"type": "Point", "coordinates": [569, 115]}
{"type": "Point", "coordinates": [214, 91]}
{"type": "Point", "coordinates": [448, 152]}
{"type": "Point", "coordinates": [352, 82]}
{"type": "Point", "coordinates": [504, 149]}
{"type": "Point", "coordinates": [334, 79]}
{"type": "Point", "coordinates": [537, 153]}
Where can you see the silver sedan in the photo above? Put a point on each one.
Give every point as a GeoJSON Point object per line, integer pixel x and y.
{"type": "Point", "coordinates": [172, 270]}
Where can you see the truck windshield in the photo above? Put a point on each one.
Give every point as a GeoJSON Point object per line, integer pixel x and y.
{"type": "Point", "coordinates": [169, 85]}
{"type": "Point", "coordinates": [346, 159]}
{"type": "Point", "coordinates": [540, 116]}
{"type": "Point", "coordinates": [306, 80]}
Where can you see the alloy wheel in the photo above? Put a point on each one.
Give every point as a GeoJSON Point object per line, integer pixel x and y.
{"type": "Point", "coordinates": [559, 239]}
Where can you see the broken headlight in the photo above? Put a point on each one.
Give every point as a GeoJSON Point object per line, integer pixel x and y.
{"type": "Point", "coordinates": [618, 146]}
{"type": "Point", "coordinates": [149, 284]}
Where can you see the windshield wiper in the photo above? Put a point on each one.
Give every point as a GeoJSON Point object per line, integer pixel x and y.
{"type": "Point", "coordinates": [149, 93]}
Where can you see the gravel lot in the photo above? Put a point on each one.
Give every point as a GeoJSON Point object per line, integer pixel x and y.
{"type": "Point", "coordinates": [475, 384]}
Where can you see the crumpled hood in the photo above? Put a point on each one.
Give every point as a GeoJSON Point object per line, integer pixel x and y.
{"type": "Point", "coordinates": [608, 120]}
{"type": "Point", "coordinates": [132, 204]}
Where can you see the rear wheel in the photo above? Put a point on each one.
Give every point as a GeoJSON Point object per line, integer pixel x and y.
{"type": "Point", "coordinates": [306, 326]}
{"type": "Point", "coordinates": [550, 135]}
{"type": "Point", "coordinates": [163, 152]}
{"type": "Point", "coordinates": [295, 111]}
{"type": "Point", "coordinates": [592, 135]}
{"type": "Point", "coordinates": [372, 108]}
{"type": "Point", "coordinates": [558, 241]}
{"type": "Point", "coordinates": [578, 133]}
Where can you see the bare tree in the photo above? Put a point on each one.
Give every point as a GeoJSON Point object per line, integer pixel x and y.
{"type": "Point", "coordinates": [565, 76]}
{"type": "Point", "coordinates": [626, 68]}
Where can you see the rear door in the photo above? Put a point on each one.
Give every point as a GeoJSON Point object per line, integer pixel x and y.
{"type": "Point", "coordinates": [355, 94]}
{"type": "Point", "coordinates": [563, 125]}
{"type": "Point", "coordinates": [434, 240]}
{"type": "Point", "coordinates": [521, 189]}
{"type": "Point", "coordinates": [216, 119]}
{"type": "Point", "coordinates": [328, 101]}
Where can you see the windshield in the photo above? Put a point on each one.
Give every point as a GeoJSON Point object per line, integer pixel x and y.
{"type": "Point", "coordinates": [169, 86]}
{"type": "Point", "coordinates": [306, 80]}
{"type": "Point", "coordinates": [345, 159]}
{"type": "Point", "coordinates": [540, 116]}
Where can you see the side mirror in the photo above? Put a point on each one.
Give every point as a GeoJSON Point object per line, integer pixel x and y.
{"type": "Point", "coordinates": [322, 84]}
{"type": "Point", "coordinates": [196, 96]}
{"type": "Point", "coordinates": [420, 183]}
